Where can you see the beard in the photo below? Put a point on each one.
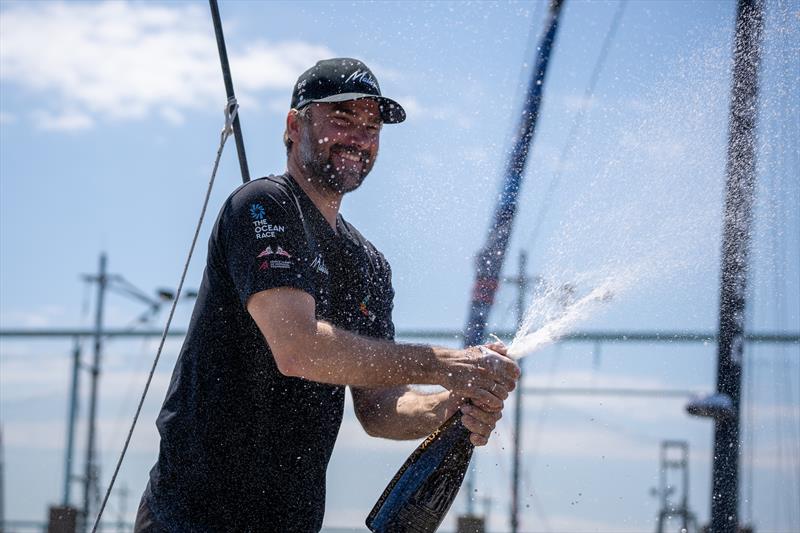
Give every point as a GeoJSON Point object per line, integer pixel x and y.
{"type": "Point", "coordinates": [328, 164]}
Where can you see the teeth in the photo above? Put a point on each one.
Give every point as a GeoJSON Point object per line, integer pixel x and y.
{"type": "Point", "coordinates": [349, 156]}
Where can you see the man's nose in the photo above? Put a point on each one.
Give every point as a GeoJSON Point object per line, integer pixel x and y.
{"type": "Point", "coordinates": [361, 138]}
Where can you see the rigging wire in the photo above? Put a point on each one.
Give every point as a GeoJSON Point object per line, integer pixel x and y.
{"type": "Point", "coordinates": [578, 122]}
{"type": "Point", "coordinates": [231, 111]}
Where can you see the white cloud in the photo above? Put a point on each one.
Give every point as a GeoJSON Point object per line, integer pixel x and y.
{"type": "Point", "coordinates": [62, 121]}
{"type": "Point", "coordinates": [172, 115]}
{"type": "Point", "coordinates": [123, 61]}
{"type": "Point", "coordinates": [267, 66]}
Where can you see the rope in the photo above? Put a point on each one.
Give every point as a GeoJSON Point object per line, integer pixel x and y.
{"type": "Point", "coordinates": [231, 110]}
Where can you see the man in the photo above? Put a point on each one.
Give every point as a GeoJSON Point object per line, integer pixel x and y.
{"type": "Point", "coordinates": [296, 304]}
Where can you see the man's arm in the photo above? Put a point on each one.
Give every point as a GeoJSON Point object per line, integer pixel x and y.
{"type": "Point", "coordinates": [403, 413]}
{"type": "Point", "coordinates": [315, 350]}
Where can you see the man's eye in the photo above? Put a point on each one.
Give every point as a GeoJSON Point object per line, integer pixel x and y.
{"type": "Point", "coordinates": [340, 122]}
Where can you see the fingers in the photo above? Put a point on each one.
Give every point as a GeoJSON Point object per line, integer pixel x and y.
{"type": "Point", "coordinates": [480, 368]}
{"type": "Point", "coordinates": [480, 423]}
{"type": "Point", "coordinates": [489, 401]}
{"type": "Point", "coordinates": [493, 375]}
{"type": "Point", "coordinates": [498, 347]}
{"type": "Point", "coordinates": [502, 368]}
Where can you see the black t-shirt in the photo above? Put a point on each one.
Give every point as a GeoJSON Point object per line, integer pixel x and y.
{"type": "Point", "coordinates": [244, 447]}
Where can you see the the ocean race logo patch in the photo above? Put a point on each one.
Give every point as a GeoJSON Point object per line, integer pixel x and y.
{"type": "Point", "coordinates": [319, 264]}
{"type": "Point", "coordinates": [257, 212]}
{"type": "Point", "coordinates": [263, 229]}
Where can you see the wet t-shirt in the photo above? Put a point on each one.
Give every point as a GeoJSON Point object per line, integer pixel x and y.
{"type": "Point", "coordinates": [244, 447]}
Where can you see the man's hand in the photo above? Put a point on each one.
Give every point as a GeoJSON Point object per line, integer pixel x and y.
{"type": "Point", "coordinates": [490, 376]}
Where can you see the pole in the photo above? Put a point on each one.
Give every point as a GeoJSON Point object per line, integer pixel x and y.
{"type": "Point", "coordinates": [740, 171]}
{"type": "Point", "coordinates": [90, 475]}
{"type": "Point", "coordinates": [515, 500]}
{"type": "Point", "coordinates": [226, 75]}
{"type": "Point", "coordinates": [662, 488]}
{"type": "Point", "coordinates": [71, 415]}
{"type": "Point", "coordinates": [685, 499]}
{"type": "Point", "coordinates": [489, 261]}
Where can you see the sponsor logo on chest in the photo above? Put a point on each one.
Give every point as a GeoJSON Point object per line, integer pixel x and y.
{"type": "Point", "coordinates": [319, 265]}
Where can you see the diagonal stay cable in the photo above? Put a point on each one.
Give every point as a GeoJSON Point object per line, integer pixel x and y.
{"type": "Point", "coordinates": [578, 122]}
{"type": "Point", "coordinates": [231, 110]}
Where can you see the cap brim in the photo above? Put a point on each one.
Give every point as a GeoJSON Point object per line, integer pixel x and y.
{"type": "Point", "coordinates": [391, 111]}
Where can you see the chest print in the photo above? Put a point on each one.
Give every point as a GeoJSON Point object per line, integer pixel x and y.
{"type": "Point", "coordinates": [365, 310]}
{"type": "Point", "coordinates": [319, 264]}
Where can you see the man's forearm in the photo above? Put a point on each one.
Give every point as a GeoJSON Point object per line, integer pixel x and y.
{"type": "Point", "coordinates": [332, 355]}
{"type": "Point", "coordinates": [315, 350]}
{"type": "Point", "coordinates": [401, 413]}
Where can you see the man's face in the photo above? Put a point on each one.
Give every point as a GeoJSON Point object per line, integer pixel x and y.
{"type": "Point", "coordinates": [339, 142]}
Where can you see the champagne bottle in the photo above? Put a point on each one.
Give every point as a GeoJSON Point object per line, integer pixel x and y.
{"type": "Point", "coordinates": [420, 494]}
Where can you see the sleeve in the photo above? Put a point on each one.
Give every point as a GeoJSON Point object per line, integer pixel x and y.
{"type": "Point", "coordinates": [384, 326]}
{"type": "Point", "coordinates": [264, 244]}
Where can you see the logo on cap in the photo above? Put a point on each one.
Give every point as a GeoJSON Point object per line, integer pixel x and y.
{"type": "Point", "coordinates": [363, 76]}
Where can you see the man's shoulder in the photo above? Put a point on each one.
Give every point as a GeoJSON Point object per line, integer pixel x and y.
{"type": "Point", "coordinates": [263, 198]}
{"type": "Point", "coordinates": [279, 188]}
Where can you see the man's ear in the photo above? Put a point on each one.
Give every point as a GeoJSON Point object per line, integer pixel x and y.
{"type": "Point", "coordinates": [293, 126]}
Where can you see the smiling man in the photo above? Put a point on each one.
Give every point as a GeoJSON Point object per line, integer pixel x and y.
{"type": "Point", "coordinates": [294, 306]}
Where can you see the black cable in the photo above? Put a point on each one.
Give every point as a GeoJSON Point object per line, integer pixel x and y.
{"type": "Point", "coordinates": [226, 75]}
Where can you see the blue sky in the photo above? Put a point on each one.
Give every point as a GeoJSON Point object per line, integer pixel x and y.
{"type": "Point", "coordinates": [109, 126]}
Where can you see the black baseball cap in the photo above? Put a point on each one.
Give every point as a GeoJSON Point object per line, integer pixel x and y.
{"type": "Point", "coordinates": [341, 79]}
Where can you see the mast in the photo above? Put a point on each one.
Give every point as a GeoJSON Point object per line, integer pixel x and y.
{"type": "Point", "coordinates": [741, 174]}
